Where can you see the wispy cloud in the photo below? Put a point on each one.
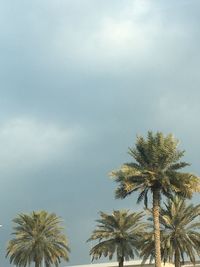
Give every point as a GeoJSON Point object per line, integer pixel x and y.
{"type": "Point", "coordinates": [28, 143]}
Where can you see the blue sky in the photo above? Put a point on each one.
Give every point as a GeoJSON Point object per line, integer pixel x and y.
{"type": "Point", "coordinates": [78, 80]}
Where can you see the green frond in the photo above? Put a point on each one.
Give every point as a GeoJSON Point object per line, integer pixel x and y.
{"type": "Point", "coordinates": [117, 233]}
{"type": "Point", "coordinates": [181, 230]}
{"type": "Point", "coordinates": [156, 164]}
{"type": "Point", "coordinates": [37, 236]}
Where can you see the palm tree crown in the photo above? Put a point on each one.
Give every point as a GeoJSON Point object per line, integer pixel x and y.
{"type": "Point", "coordinates": [117, 233]}
{"type": "Point", "coordinates": [156, 170]}
{"type": "Point", "coordinates": [38, 237]}
{"type": "Point", "coordinates": [156, 166]}
{"type": "Point", "coordinates": [180, 235]}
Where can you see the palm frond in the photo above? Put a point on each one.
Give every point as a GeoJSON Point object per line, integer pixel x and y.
{"type": "Point", "coordinates": [117, 233]}
{"type": "Point", "coordinates": [37, 236]}
{"type": "Point", "coordinates": [181, 230]}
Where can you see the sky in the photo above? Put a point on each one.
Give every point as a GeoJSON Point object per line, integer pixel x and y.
{"type": "Point", "coordinates": [79, 79]}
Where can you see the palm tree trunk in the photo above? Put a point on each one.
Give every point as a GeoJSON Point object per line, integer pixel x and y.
{"type": "Point", "coordinates": [37, 263]}
{"type": "Point", "coordinates": [177, 258]}
{"type": "Point", "coordinates": [121, 261]}
{"type": "Point", "coordinates": [156, 213]}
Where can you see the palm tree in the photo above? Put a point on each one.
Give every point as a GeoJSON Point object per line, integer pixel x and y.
{"type": "Point", "coordinates": [117, 233]}
{"type": "Point", "coordinates": [180, 235]}
{"type": "Point", "coordinates": [155, 170]}
{"type": "Point", "coordinates": [38, 237]}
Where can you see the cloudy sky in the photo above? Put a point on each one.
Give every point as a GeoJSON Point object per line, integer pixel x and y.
{"type": "Point", "coordinates": [78, 80]}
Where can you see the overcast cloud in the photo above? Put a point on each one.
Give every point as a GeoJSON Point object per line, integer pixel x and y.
{"type": "Point", "coordinates": [79, 79]}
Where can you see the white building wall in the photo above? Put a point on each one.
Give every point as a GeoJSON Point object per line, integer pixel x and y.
{"type": "Point", "coordinates": [135, 263]}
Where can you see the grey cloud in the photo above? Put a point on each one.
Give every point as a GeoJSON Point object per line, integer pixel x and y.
{"type": "Point", "coordinates": [107, 69]}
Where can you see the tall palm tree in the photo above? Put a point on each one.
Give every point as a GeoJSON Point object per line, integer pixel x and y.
{"type": "Point", "coordinates": [117, 233]}
{"type": "Point", "coordinates": [180, 235]}
{"type": "Point", "coordinates": [37, 237]}
{"type": "Point", "coordinates": [156, 170]}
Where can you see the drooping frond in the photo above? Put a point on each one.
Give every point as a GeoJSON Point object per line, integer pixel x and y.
{"type": "Point", "coordinates": [180, 230]}
{"type": "Point", "coordinates": [156, 165]}
{"type": "Point", "coordinates": [117, 233]}
{"type": "Point", "coordinates": [37, 236]}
